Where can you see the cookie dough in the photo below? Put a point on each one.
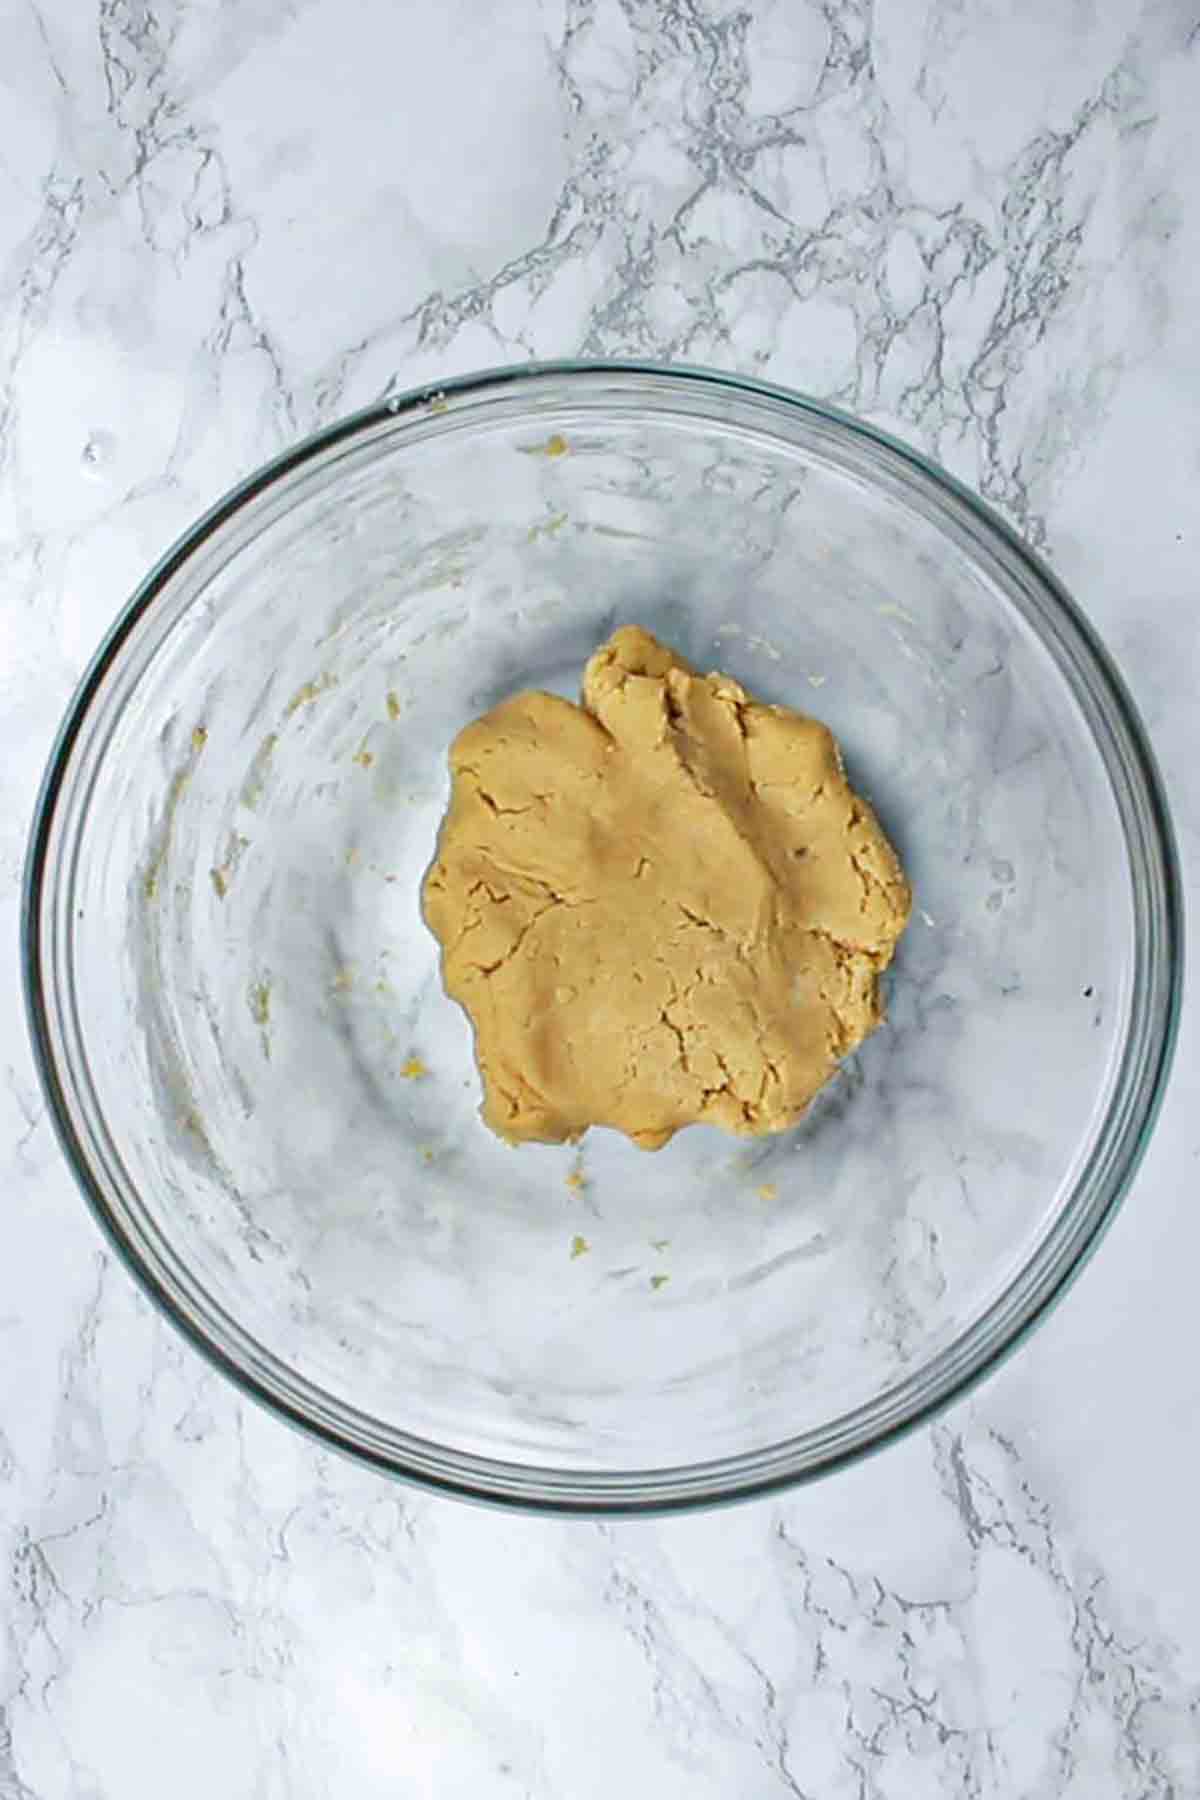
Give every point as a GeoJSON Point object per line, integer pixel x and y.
{"type": "Point", "coordinates": [662, 907]}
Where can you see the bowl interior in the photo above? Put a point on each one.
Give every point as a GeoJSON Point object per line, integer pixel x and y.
{"type": "Point", "coordinates": [277, 1099]}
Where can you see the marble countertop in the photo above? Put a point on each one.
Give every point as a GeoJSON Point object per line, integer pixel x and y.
{"type": "Point", "coordinates": [225, 221]}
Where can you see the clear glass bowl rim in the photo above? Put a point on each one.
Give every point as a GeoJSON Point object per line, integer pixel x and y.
{"type": "Point", "coordinates": [1102, 1182]}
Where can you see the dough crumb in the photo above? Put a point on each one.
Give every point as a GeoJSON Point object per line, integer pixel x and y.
{"type": "Point", "coordinates": [662, 907]}
{"type": "Point", "coordinates": [579, 1246]}
{"type": "Point", "coordinates": [309, 692]}
{"type": "Point", "coordinates": [414, 1069]}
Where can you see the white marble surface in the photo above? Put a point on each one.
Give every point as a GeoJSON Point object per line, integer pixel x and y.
{"type": "Point", "coordinates": [223, 221]}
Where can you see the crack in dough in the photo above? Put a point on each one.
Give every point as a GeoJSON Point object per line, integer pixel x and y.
{"type": "Point", "coordinates": [662, 907]}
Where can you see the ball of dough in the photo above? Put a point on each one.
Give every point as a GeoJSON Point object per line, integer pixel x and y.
{"type": "Point", "coordinates": [661, 907]}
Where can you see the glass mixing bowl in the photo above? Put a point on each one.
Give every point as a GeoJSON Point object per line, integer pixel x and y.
{"type": "Point", "coordinates": [271, 1104]}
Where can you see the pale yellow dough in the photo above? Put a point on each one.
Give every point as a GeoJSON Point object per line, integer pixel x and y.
{"type": "Point", "coordinates": [662, 907]}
